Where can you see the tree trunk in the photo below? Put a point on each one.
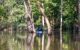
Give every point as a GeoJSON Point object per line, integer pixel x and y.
{"type": "Point", "coordinates": [61, 20]}
{"type": "Point", "coordinates": [41, 9]}
{"type": "Point", "coordinates": [30, 25]}
{"type": "Point", "coordinates": [43, 33]}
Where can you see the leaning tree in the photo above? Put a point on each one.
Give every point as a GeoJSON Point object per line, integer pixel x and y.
{"type": "Point", "coordinates": [30, 25]}
{"type": "Point", "coordinates": [44, 20]}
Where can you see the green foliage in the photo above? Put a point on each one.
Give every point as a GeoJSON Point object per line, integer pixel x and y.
{"type": "Point", "coordinates": [12, 11]}
{"type": "Point", "coordinates": [2, 10]}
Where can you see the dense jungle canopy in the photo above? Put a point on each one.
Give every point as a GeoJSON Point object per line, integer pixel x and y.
{"type": "Point", "coordinates": [39, 24]}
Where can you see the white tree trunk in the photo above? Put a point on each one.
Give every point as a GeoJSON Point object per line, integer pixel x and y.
{"type": "Point", "coordinates": [30, 26]}
{"type": "Point", "coordinates": [43, 33]}
{"type": "Point", "coordinates": [41, 9]}
{"type": "Point", "coordinates": [61, 20]}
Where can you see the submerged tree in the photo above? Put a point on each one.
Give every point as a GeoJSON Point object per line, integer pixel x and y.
{"type": "Point", "coordinates": [61, 20]}
{"type": "Point", "coordinates": [44, 20]}
{"type": "Point", "coordinates": [30, 25]}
